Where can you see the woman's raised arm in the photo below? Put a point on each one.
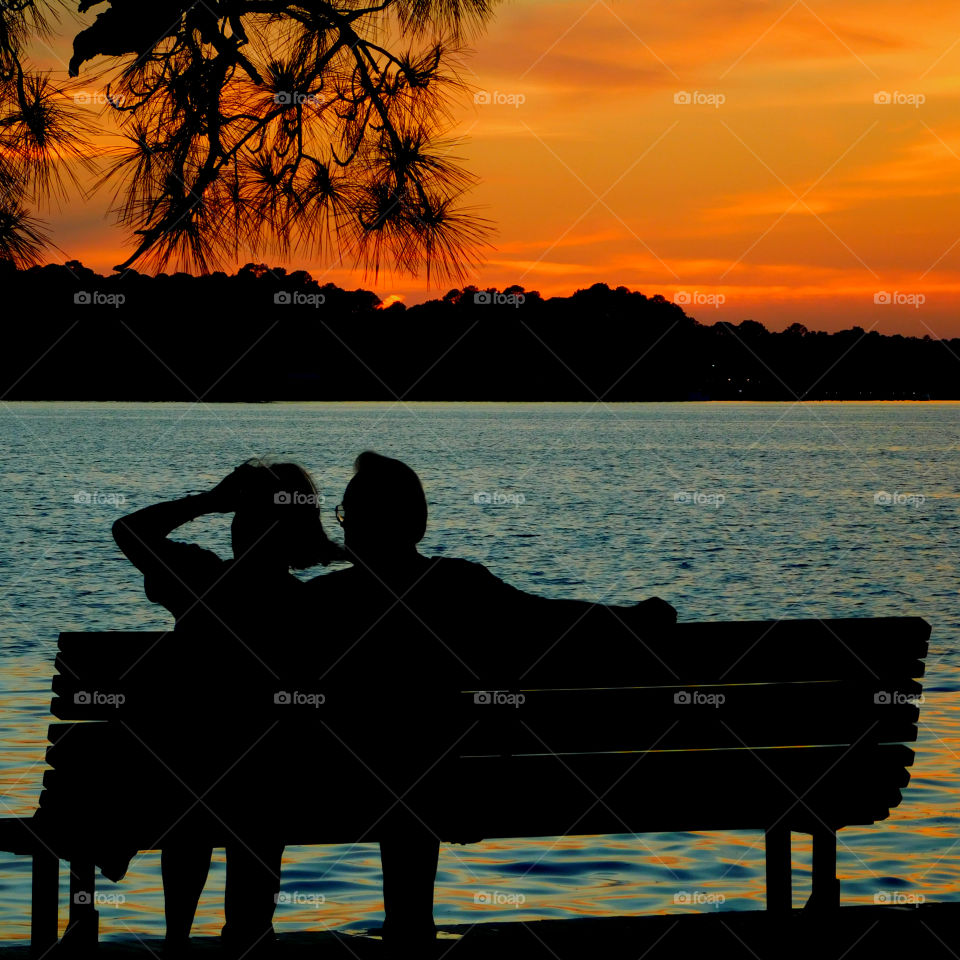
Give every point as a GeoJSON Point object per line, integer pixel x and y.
{"type": "Point", "coordinates": [141, 535]}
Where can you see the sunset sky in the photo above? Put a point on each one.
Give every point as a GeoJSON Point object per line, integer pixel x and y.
{"type": "Point", "coordinates": [788, 194]}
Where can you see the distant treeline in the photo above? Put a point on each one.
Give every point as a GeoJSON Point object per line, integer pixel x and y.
{"type": "Point", "coordinates": [264, 334]}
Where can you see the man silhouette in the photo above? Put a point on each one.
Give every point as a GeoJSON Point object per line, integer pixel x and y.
{"type": "Point", "coordinates": [411, 632]}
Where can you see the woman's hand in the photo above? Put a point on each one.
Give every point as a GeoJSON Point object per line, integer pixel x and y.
{"type": "Point", "coordinates": [225, 497]}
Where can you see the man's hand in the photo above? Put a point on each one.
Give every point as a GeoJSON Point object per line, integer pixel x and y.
{"type": "Point", "coordinates": [654, 612]}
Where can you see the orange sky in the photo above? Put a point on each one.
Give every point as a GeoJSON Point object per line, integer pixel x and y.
{"type": "Point", "coordinates": [796, 198]}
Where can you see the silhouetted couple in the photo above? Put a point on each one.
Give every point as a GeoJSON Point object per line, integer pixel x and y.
{"type": "Point", "coordinates": [397, 635]}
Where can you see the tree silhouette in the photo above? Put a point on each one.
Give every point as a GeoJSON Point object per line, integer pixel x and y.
{"type": "Point", "coordinates": [456, 347]}
{"type": "Point", "coordinates": [43, 132]}
{"type": "Point", "coordinates": [314, 127]}
{"type": "Point", "coordinates": [289, 126]}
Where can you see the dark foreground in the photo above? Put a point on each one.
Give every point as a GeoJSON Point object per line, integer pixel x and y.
{"type": "Point", "coordinates": [930, 930]}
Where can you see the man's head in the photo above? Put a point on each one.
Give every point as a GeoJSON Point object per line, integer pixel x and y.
{"type": "Point", "coordinates": [384, 507]}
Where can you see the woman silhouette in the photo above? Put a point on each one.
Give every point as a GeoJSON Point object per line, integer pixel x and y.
{"type": "Point", "coordinates": [234, 642]}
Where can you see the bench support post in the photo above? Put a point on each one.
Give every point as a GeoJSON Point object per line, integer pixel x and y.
{"type": "Point", "coordinates": [826, 887]}
{"type": "Point", "coordinates": [45, 894]}
{"type": "Point", "coordinates": [779, 885]}
{"type": "Point", "coordinates": [83, 930]}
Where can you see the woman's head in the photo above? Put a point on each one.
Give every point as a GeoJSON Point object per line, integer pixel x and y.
{"type": "Point", "coordinates": [278, 516]}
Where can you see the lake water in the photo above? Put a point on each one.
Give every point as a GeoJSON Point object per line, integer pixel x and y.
{"type": "Point", "coordinates": [728, 511]}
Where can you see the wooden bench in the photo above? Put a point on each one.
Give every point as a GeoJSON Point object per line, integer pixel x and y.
{"type": "Point", "coordinates": [773, 726]}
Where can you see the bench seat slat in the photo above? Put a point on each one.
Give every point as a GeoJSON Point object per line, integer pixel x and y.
{"type": "Point", "coordinates": [613, 719]}
{"type": "Point", "coordinates": [616, 793]}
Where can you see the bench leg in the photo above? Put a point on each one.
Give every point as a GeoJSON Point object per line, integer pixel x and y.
{"type": "Point", "coordinates": [83, 930]}
{"type": "Point", "coordinates": [45, 894]}
{"type": "Point", "coordinates": [826, 887]}
{"type": "Point", "coordinates": [779, 889]}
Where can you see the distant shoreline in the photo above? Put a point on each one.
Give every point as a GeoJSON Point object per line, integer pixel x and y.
{"type": "Point", "coordinates": [265, 336]}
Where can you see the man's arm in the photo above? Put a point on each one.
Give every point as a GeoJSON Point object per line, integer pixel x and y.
{"type": "Point", "coordinates": [524, 630]}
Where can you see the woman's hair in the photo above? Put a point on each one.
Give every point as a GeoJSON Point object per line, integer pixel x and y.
{"type": "Point", "coordinates": [287, 502]}
{"type": "Point", "coordinates": [391, 497]}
